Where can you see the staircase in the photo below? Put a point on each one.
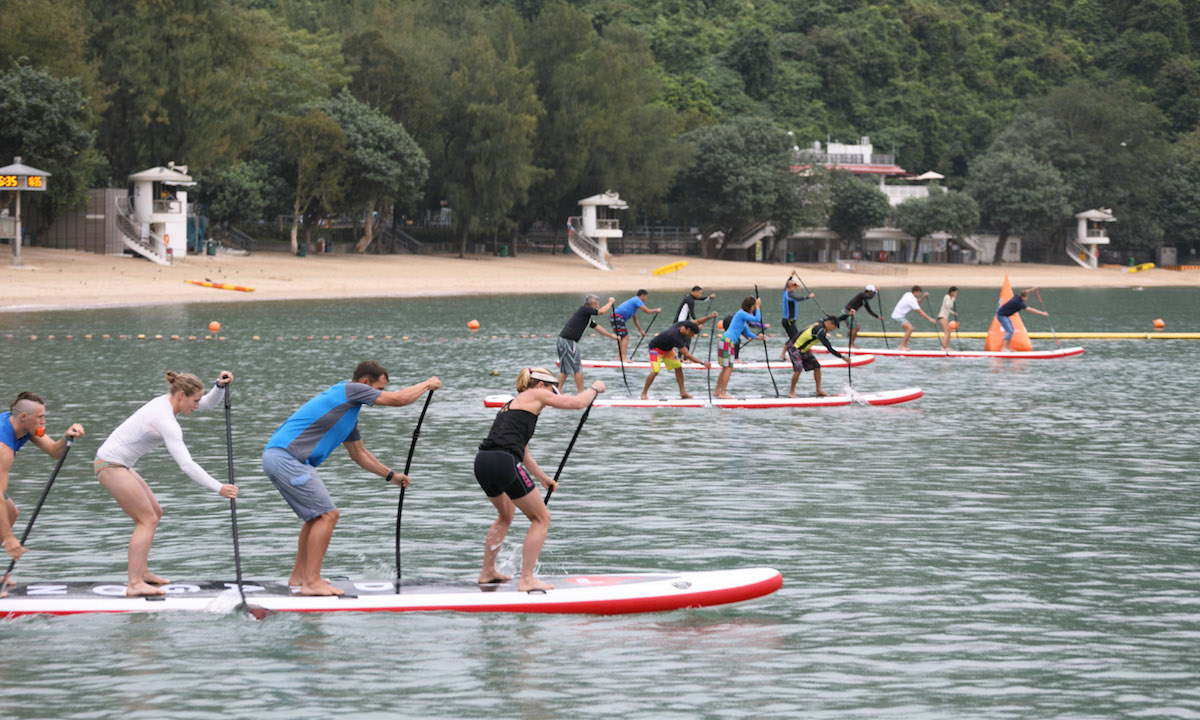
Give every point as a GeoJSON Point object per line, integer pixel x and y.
{"type": "Point", "coordinates": [131, 234]}
{"type": "Point", "coordinates": [585, 247]}
{"type": "Point", "coordinates": [753, 234]}
{"type": "Point", "coordinates": [1081, 253]}
{"type": "Point", "coordinates": [391, 235]}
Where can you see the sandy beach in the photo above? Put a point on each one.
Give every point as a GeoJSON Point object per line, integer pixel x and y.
{"type": "Point", "coordinates": [64, 279]}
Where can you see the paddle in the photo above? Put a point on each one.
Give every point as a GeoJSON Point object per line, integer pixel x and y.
{"type": "Point", "coordinates": [1052, 333]}
{"type": "Point", "coordinates": [644, 336]}
{"type": "Point", "coordinates": [258, 613]}
{"type": "Point", "coordinates": [767, 350]}
{"type": "Point", "coordinates": [36, 510]}
{"type": "Point", "coordinates": [407, 466]}
{"type": "Point", "coordinates": [708, 371]}
{"type": "Point", "coordinates": [810, 292]}
{"type": "Point", "coordinates": [882, 326]}
{"type": "Point", "coordinates": [570, 445]}
{"type": "Point", "coordinates": [622, 361]}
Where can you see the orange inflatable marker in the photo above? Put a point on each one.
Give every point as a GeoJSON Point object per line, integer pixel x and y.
{"type": "Point", "coordinates": [995, 337]}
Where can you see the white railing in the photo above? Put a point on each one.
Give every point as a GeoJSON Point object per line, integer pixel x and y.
{"type": "Point", "coordinates": [1081, 253]}
{"type": "Point", "coordinates": [131, 234]}
{"type": "Point", "coordinates": [585, 247]}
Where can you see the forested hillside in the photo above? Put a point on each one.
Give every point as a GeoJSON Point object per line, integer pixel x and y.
{"type": "Point", "coordinates": [511, 110]}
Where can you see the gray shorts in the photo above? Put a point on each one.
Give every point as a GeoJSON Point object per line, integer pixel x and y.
{"type": "Point", "coordinates": [299, 484]}
{"type": "Point", "coordinates": [568, 356]}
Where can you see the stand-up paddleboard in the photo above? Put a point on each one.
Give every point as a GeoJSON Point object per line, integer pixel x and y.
{"type": "Point", "coordinates": [581, 594]}
{"type": "Point", "coordinates": [744, 402]}
{"type": "Point", "coordinates": [863, 359]}
{"type": "Point", "coordinates": [1023, 355]}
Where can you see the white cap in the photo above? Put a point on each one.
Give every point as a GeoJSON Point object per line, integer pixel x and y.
{"type": "Point", "coordinates": [870, 288]}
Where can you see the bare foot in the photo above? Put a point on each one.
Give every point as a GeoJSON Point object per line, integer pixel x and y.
{"type": "Point", "coordinates": [154, 579]}
{"type": "Point", "coordinates": [904, 347]}
{"type": "Point", "coordinates": [138, 589]}
{"type": "Point", "coordinates": [491, 578]}
{"type": "Point", "coordinates": [822, 393]}
{"type": "Point", "coordinates": [791, 394]}
{"type": "Point", "coordinates": [685, 396]}
{"type": "Point", "coordinates": [644, 396]}
{"type": "Point", "coordinates": [320, 588]}
{"type": "Point", "coordinates": [527, 584]}
{"type": "Point", "coordinates": [724, 396]}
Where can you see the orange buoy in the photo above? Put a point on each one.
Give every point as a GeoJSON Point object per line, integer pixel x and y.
{"type": "Point", "coordinates": [214, 326]}
{"type": "Point", "coordinates": [953, 324]}
{"type": "Point", "coordinates": [1159, 324]}
{"type": "Point", "coordinates": [473, 325]}
{"type": "Point", "coordinates": [720, 324]}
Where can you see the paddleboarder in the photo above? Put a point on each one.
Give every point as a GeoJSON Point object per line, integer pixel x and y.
{"type": "Point", "coordinates": [859, 301]}
{"type": "Point", "coordinates": [23, 422]}
{"type": "Point", "coordinates": [944, 314]}
{"type": "Point", "coordinates": [790, 298]}
{"type": "Point", "coordinates": [735, 329]}
{"type": "Point", "coordinates": [687, 307]}
{"type": "Point", "coordinates": [801, 355]}
{"type": "Point", "coordinates": [568, 340]}
{"type": "Point", "coordinates": [663, 349]}
{"type": "Point", "coordinates": [908, 302]}
{"type": "Point", "coordinates": [307, 438]}
{"type": "Point", "coordinates": [506, 471]}
{"type": "Point", "coordinates": [1004, 314]}
{"type": "Point", "coordinates": [152, 425]}
{"type": "Point", "coordinates": [623, 313]}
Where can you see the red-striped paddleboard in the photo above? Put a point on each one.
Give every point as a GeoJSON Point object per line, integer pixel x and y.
{"type": "Point", "coordinates": [581, 594]}
{"type": "Point", "coordinates": [1025, 355]}
{"type": "Point", "coordinates": [863, 359]}
{"type": "Point", "coordinates": [745, 402]}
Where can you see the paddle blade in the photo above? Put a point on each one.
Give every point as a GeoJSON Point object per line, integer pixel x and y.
{"type": "Point", "coordinates": [256, 612]}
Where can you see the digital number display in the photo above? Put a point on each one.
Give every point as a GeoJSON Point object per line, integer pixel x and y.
{"type": "Point", "coordinates": [22, 182]}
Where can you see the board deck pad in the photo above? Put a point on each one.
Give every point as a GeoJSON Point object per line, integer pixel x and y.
{"type": "Point", "coordinates": [744, 402]}
{"type": "Point", "coordinates": [601, 594]}
{"type": "Point", "coordinates": [858, 360]}
{"type": "Point", "coordinates": [1054, 354]}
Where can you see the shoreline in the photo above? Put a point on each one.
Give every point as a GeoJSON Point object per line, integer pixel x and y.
{"type": "Point", "coordinates": [102, 282]}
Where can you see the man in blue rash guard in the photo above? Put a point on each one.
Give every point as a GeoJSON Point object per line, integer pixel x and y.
{"type": "Point", "coordinates": [1004, 314]}
{"type": "Point", "coordinates": [735, 330]}
{"type": "Point", "coordinates": [790, 298]}
{"type": "Point", "coordinates": [306, 439]}
{"type": "Point", "coordinates": [622, 313]}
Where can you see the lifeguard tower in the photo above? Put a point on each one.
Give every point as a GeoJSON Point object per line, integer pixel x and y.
{"type": "Point", "coordinates": [589, 232]}
{"type": "Point", "coordinates": [153, 216]}
{"type": "Point", "coordinates": [1090, 233]}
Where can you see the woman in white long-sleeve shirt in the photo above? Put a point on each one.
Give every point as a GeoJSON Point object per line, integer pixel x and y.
{"type": "Point", "coordinates": [152, 425]}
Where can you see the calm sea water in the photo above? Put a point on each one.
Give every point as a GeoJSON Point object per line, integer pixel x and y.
{"type": "Point", "coordinates": [1021, 542]}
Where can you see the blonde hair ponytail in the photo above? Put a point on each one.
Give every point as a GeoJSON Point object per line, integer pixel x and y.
{"type": "Point", "coordinates": [185, 383]}
{"type": "Point", "coordinates": [528, 379]}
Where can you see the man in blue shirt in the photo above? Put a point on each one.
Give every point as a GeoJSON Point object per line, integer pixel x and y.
{"type": "Point", "coordinates": [1004, 314]}
{"type": "Point", "coordinates": [25, 421]}
{"type": "Point", "coordinates": [621, 315]}
{"type": "Point", "coordinates": [305, 439]}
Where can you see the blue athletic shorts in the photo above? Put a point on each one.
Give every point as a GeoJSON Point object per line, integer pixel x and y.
{"type": "Point", "coordinates": [299, 484]}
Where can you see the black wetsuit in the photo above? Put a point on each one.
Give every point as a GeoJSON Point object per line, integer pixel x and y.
{"type": "Point", "coordinates": [861, 300]}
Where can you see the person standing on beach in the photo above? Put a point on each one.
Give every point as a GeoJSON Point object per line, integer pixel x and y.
{"type": "Point", "coordinates": [735, 329]}
{"type": "Point", "coordinates": [623, 313]}
{"type": "Point", "coordinates": [800, 352]}
{"type": "Point", "coordinates": [152, 425]}
{"type": "Point", "coordinates": [908, 302]}
{"type": "Point", "coordinates": [24, 421]}
{"type": "Point", "coordinates": [859, 301]}
{"type": "Point", "coordinates": [306, 439]}
{"type": "Point", "coordinates": [568, 340]}
{"type": "Point", "coordinates": [1004, 314]}
{"type": "Point", "coordinates": [944, 314]}
{"type": "Point", "coordinates": [663, 347]}
{"type": "Point", "coordinates": [504, 466]}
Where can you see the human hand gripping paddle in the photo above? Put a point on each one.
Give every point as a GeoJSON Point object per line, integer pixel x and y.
{"type": "Point", "coordinates": [766, 350]}
{"type": "Point", "coordinates": [254, 611]}
{"type": "Point", "coordinates": [36, 510]}
{"type": "Point", "coordinates": [570, 445]}
{"type": "Point", "coordinates": [407, 466]}
{"type": "Point", "coordinates": [1043, 304]}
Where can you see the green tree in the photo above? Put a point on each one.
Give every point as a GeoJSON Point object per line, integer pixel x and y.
{"type": "Point", "coordinates": [1017, 193]}
{"type": "Point", "coordinates": [951, 212]}
{"type": "Point", "coordinates": [237, 194]}
{"type": "Point", "coordinates": [857, 206]}
{"type": "Point", "coordinates": [316, 146]}
{"type": "Point", "coordinates": [490, 120]}
{"type": "Point", "coordinates": [386, 167]}
{"type": "Point", "coordinates": [47, 122]}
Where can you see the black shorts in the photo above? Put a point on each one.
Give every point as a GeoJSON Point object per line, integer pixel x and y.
{"type": "Point", "coordinates": [790, 327]}
{"type": "Point", "coordinates": [498, 472]}
{"type": "Point", "coordinates": [802, 360]}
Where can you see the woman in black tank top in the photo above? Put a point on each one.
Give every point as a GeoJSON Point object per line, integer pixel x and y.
{"type": "Point", "coordinates": [506, 471]}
